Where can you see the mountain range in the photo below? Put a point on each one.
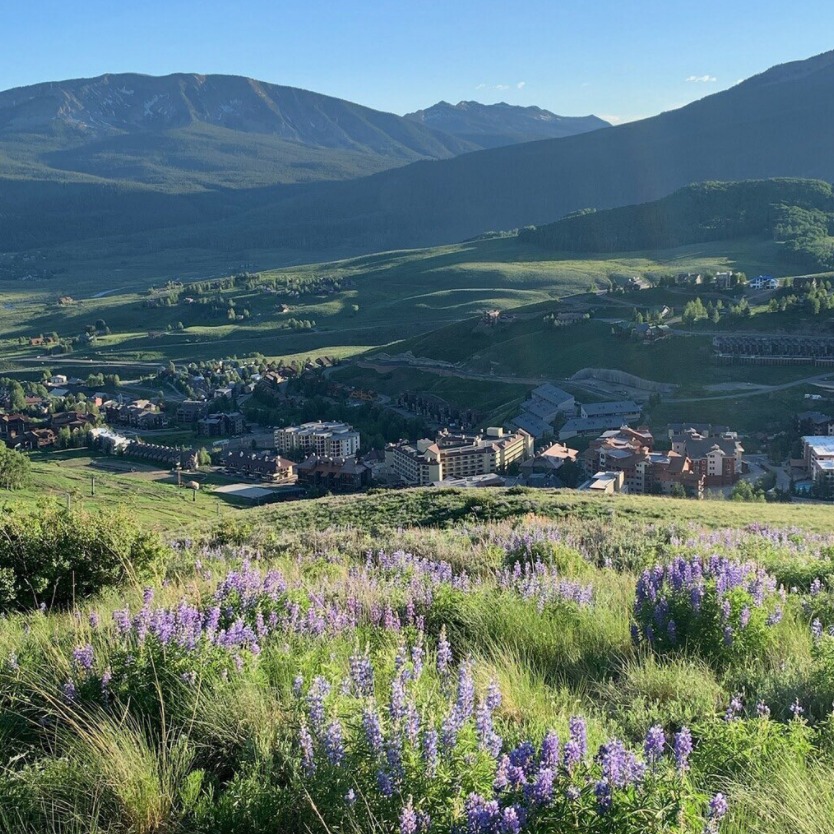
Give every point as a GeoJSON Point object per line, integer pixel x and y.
{"type": "Point", "coordinates": [777, 124]}
{"type": "Point", "coordinates": [495, 125]}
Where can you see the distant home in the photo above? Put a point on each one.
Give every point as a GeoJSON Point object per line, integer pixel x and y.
{"type": "Point", "coordinates": [266, 466]}
{"type": "Point", "coordinates": [604, 483]}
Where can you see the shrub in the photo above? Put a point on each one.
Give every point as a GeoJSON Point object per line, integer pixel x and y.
{"type": "Point", "coordinates": [15, 469]}
{"type": "Point", "coordinates": [52, 557]}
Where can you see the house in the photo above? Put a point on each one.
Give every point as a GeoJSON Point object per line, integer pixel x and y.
{"type": "Point", "coordinates": [12, 425]}
{"type": "Point", "coordinates": [543, 406]}
{"type": "Point", "coordinates": [690, 278]}
{"type": "Point", "coordinates": [34, 439]}
{"type": "Point", "coordinates": [550, 460]}
{"type": "Point", "coordinates": [264, 465]}
{"type": "Point", "coordinates": [724, 280]}
{"type": "Point", "coordinates": [603, 483]}
{"type": "Point", "coordinates": [334, 474]}
{"type": "Point", "coordinates": [764, 282]}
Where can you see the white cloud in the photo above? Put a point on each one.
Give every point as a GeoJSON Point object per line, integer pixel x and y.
{"type": "Point", "coordinates": [702, 79]}
{"type": "Point", "coordinates": [521, 85]}
{"type": "Point", "coordinates": [502, 86]}
{"type": "Point", "coordinates": [480, 86]}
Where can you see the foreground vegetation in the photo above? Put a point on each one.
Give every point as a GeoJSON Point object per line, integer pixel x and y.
{"type": "Point", "coordinates": [490, 670]}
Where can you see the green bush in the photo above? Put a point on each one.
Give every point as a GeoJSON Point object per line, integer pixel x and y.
{"type": "Point", "coordinates": [53, 557]}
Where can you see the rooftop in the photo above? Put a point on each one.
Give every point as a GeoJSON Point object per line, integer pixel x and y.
{"type": "Point", "coordinates": [820, 444]}
{"type": "Point", "coordinates": [620, 407]}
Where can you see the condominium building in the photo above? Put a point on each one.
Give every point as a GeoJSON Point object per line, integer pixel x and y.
{"type": "Point", "coordinates": [818, 452]}
{"type": "Point", "coordinates": [457, 455]}
{"type": "Point", "coordinates": [332, 440]}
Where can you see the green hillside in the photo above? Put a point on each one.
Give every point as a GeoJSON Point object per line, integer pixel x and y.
{"type": "Point", "coordinates": [545, 659]}
{"type": "Point", "coordinates": [798, 213]}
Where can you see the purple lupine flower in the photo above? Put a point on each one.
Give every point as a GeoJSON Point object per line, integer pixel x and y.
{"type": "Point", "coordinates": [579, 735]}
{"type": "Point", "coordinates": [189, 678]}
{"type": "Point", "coordinates": [350, 798]}
{"type": "Point", "coordinates": [797, 709]}
{"type": "Point", "coordinates": [493, 696]}
{"type": "Point", "coordinates": [430, 739]}
{"type": "Point", "coordinates": [487, 738]}
{"type": "Point", "coordinates": [315, 702]}
{"type": "Point", "coordinates": [717, 807]}
{"type": "Point", "coordinates": [502, 778]}
{"type": "Point", "coordinates": [94, 620]}
{"type": "Point", "coordinates": [466, 692]}
{"type": "Point", "coordinates": [816, 587]}
{"type": "Point", "coordinates": [683, 749]}
{"type": "Point", "coordinates": [334, 747]}
{"type": "Point", "coordinates": [444, 652]}
{"type": "Point", "coordinates": [385, 784]}
{"type": "Point", "coordinates": [297, 685]}
{"type": "Point", "coordinates": [408, 819]}
{"type": "Point", "coordinates": [541, 791]}
{"type": "Point", "coordinates": [510, 820]}
{"type": "Point", "coordinates": [82, 657]}
{"type": "Point", "coordinates": [417, 656]}
{"type": "Point", "coordinates": [654, 744]}
{"type": "Point", "coordinates": [550, 750]}
{"type": "Point", "coordinates": [362, 674]}
{"type": "Point", "coordinates": [735, 708]}
{"type": "Point", "coordinates": [373, 731]}
{"type": "Point", "coordinates": [816, 629]}
{"type": "Point", "coordinates": [744, 617]}
{"type": "Point", "coordinates": [762, 710]}
{"type": "Point", "coordinates": [308, 761]}
{"type": "Point", "coordinates": [69, 692]}
{"type": "Point", "coordinates": [602, 792]}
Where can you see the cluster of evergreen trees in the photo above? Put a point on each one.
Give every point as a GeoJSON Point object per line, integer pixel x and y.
{"type": "Point", "coordinates": [798, 212]}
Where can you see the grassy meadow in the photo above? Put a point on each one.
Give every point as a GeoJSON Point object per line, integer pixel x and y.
{"type": "Point", "coordinates": [426, 661]}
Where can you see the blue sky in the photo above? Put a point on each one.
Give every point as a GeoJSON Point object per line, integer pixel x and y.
{"type": "Point", "coordinates": [620, 60]}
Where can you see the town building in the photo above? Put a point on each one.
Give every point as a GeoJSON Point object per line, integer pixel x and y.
{"type": "Point", "coordinates": [645, 471]}
{"type": "Point", "coordinates": [815, 423]}
{"type": "Point", "coordinates": [457, 455]}
{"type": "Point", "coordinates": [818, 455]}
{"type": "Point", "coordinates": [604, 483]}
{"type": "Point", "coordinates": [718, 459]}
{"type": "Point", "coordinates": [543, 469]}
{"type": "Point", "coordinates": [542, 407]}
{"type": "Point", "coordinates": [190, 411]}
{"type": "Point", "coordinates": [266, 466]}
{"type": "Point", "coordinates": [221, 424]}
{"type": "Point", "coordinates": [624, 410]}
{"type": "Point", "coordinates": [331, 440]}
{"type": "Point", "coordinates": [333, 474]}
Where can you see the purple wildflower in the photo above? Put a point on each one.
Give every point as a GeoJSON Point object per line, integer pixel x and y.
{"type": "Point", "coordinates": [510, 820]}
{"type": "Point", "coordinates": [350, 798]}
{"type": "Point", "coordinates": [550, 750]}
{"type": "Point", "coordinates": [797, 709]}
{"type": "Point", "coordinates": [654, 744]}
{"type": "Point", "coordinates": [408, 819]}
{"type": "Point", "coordinates": [334, 747]}
{"type": "Point", "coordinates": [444, 652]}
{"type": "Point", "coordinates": [762, 710]}
{"type": "Point", "coordinates": [82, 657]}
{"type": "Point", "coordinates": [683, 749]}
{"type": "Point", "coordinates": [308, 761]}
{"type": "Point", "coordinates": [69, 692]}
